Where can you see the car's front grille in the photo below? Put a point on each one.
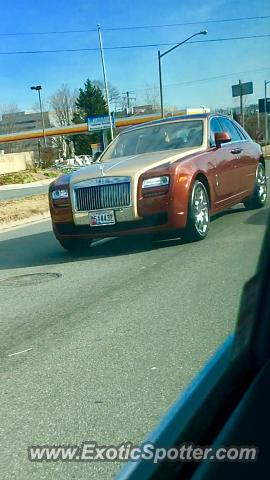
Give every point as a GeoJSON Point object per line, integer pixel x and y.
{"type": "Point", "coordinates": [102, 196]}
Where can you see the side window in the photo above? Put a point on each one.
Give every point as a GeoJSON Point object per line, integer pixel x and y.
{"type": "Point", "coordinates": [241, 131]}
{"type": "Point", "coordinates": [214, 128]}
{"type": "Point", "coordinates": [228, 126]}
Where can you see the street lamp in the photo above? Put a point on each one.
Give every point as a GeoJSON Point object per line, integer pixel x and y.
{"type": "Point", "coordinates": [160, 55]}
{"type": "Point", "coordinates": [38, 88]}
{"type": "Point", "coordinates": [265, 110]}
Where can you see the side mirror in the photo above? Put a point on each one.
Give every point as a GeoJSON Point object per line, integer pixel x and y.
{"type": "Point", "coordinates": [221, 137]}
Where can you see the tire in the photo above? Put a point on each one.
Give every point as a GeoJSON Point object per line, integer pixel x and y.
{"type": "Point", "coordinates": [74, 244]}
{"type": "Point", "coordinates": [198, 213]}
{"type": "Point", "coordinates": [259, 195]}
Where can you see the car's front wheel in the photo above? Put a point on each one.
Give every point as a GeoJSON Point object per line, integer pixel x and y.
{"type": "Point", "coordinates": [74, 244]}
{"type": "Point", "coordinates": [259, 195]}
{"type": "Point", "coordinates": [198, 213]}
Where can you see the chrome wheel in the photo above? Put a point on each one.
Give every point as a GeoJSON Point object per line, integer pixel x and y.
{"type": "Point", "coordinates": [259, 195]}
{"type": "Point", "coordinates": [201, 209]}
{"type": "Point", "coordinates": [262, 183]}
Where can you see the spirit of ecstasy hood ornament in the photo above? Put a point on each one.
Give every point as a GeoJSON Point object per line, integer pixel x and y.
{"type": "Point", "coordinates": [101, 169]}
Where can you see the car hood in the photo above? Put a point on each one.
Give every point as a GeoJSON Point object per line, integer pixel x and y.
{"type": "Point", "coordinates": [133, 165]}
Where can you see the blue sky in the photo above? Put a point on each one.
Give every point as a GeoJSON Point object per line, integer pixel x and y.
{"type": "Point", "coordinates": [186, 70]}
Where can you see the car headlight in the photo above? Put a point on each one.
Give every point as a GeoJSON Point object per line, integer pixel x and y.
{"type": "Point", "coordinates": [60, 193]}
{"type": "Point", "coordinates": [156, 182]}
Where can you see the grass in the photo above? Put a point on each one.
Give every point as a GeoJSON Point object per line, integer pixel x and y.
{"type": "Point", "coordinates": [28, 176]}
{"type": "Point", "coordinates": [23, 208]}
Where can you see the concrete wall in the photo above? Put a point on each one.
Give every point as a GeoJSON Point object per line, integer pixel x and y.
{"type": "Point", "coordinates": [16, 162]}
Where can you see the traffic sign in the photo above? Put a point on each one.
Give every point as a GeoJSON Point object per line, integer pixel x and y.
{"type": "Point", "coordinates": [262, 105]}
{"type": "Point", "coordinates": [99, 122]}
{"type": "Point", "coordinates": [242, 89]}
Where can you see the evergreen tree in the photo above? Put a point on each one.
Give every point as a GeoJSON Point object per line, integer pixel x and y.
{"type": "Point", "coordinates": [90, 101]}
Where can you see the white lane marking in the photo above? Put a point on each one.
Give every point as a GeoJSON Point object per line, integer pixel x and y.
{"type": "Point", "coordinates": [18, 353]}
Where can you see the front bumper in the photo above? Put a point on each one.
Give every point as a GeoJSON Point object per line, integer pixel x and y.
{"type": "Point", "coordinates": [149, 224]}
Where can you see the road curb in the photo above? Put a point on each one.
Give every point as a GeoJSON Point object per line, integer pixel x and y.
{"type": "Point", "coordinates": [22, 223]}
{"type": "Point", "coordinates": [19, 186]}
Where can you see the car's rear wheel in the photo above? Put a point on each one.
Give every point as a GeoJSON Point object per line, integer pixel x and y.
{"type": "Point", "coordinates": [74, 244]}
{"type": "Point", "coordinates": [259, 195]}
{"type": "Point", "coordinates": [198, 213]}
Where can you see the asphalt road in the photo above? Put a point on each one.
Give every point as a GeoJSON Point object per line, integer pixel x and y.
{"type": "Point", "coordinates": [114, 339]}
{"type": "Point", "coordinates": [22, 192]}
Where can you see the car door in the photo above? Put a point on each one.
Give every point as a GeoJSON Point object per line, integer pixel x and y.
{"type": "Point", "coordinates": [223, 159]}
{"type": "Point", "coordinates": [248, 161]}
{"type": "Point", "coordinates": [238, 151]}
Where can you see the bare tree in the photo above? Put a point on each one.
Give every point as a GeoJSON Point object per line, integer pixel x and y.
{"type": "Point", "coordinates": [151, 96]}
{"type": "Point", "coordinates": [114, 94]}
{"type": "Point", "coordinates": [36, 106]}
{"type": "Point", "coordinates": [8, 123]}
{"type": "Point", "coordinates": [62, 104]}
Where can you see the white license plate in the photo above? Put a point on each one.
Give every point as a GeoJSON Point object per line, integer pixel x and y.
{"type": "Point", "coordinates": [106, 217]}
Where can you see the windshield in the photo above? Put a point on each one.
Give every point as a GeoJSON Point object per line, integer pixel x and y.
{"type": "Point", "coordinates": [156, 138]}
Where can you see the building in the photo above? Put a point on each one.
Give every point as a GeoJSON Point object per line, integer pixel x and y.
{"type": "Point", "coordinates": [21, 122]}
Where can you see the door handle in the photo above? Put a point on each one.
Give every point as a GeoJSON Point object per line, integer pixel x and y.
{"type": "Point", "coordinates": [236, 151]}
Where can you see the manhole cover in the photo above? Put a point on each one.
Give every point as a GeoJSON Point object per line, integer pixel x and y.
{"type": "Point", "coordinates": [29, 279]}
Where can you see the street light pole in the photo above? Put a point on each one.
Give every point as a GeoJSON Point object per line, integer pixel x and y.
{"type": "Point", "coordinates": [265, 110]}
{"type": "Point", "coordinates": [105, 78]}
{"type": "Point", "coordinates": [160, 55]}
{"type": "Point", "coordinates": [42, 119]}
{"type": "Point", "coordinates": [160, 85]}
{"type": "Point", "coordinates": [38, 88]}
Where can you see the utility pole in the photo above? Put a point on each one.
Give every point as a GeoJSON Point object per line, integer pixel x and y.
{"type": "Point", "coordinates": [128, 99]}
{"type": "Point", "coordinates": [105, 78]}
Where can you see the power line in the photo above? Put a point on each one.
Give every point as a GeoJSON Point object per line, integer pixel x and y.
{"type": "Point", "coordinates": [207, 79]}
{"type": "Point", "coordinates": [225, 75]}
{"type": "Point", "coordinates": [123, 47]}
{"type": "Point", "coordinates": [136, 27]}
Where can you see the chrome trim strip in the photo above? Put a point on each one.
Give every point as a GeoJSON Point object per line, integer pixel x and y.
{"type": "Point", "coordinates": [101, 181]}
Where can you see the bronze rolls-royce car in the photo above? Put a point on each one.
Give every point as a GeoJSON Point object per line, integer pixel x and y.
{"type": "Point", "coordinates": [167, 175]}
